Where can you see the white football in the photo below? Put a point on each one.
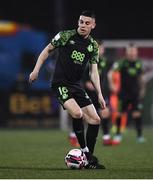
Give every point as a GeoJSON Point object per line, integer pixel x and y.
{"type": "Point", "coordinates": [75, 159]}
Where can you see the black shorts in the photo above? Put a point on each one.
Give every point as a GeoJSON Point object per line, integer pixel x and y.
{"type": "Point", "coordinates": [64, 92]}
{"type": "Point", "coordinates": [129, 101]}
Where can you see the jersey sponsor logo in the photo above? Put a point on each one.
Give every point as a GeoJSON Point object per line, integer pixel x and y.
{"type": "Point", "coordinates": [86, 96]}
{"type": "Point", "coordinates": [77, 57]}
{"type": "Point", "coordinates": [132, 71]}
{"type": "Point", "coordinates": [90, 48]}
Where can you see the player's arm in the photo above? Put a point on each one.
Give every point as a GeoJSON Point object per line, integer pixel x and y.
{"type": "Point", "coordinates": [95, 79]}
{"type": "Point", "coordinates": [142, 86]}
{"type": "Point", "coordinates": [41, 59]}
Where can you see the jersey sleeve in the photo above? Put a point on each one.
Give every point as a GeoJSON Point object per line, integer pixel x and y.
{"type": "Point", "coordinates": [139, 66]}
{"type": "Point", "coordinates": [61, 38]}
{"type": "Point", "coordinates": [58, 40]}
{"type": "Point", "coordinates": [102, 64]}
{"type": "Point", "coordinates": [95, 55]}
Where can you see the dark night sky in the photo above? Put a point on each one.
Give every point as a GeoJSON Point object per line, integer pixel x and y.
{"type": "Point", "coordinates": [115, 19]}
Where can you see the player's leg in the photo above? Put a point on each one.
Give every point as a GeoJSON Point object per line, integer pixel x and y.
{"type": "Point", "coordinates": [93, 120]}
{"type": "Point", "coordinates": [122, 109]}
{"type": "Point", "coordinates": [90, 115]}
{"type": "Point", "coordinates": [77, 120]}
{"type": "Point", "coordinates": [65, 97]}
{"type": "Point", "coordinates": [72, 138]}
{"type": "Point", "coordinates": [92, 131]}
{"type": "Point", "coordinates": [137, 117]}
{"type": "Point", "coordinates": [105, 120]}
{"type": "Point", "coordinates": [114, 104]}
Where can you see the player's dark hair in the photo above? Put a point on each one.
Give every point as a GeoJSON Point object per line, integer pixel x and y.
{"type": "Point", "coordinates": [131, 45]}
{"type": "Point", "coordinates": [88, 13]}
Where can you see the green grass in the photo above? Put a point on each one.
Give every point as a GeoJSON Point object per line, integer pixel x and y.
{"type": "Point", "coordinates": [39, 154]}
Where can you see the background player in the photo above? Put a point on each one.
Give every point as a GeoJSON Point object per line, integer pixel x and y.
{"type": "Point", "coordinates": [131, 91]}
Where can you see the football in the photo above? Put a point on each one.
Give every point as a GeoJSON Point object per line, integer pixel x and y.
{"type": "Point", "coordinates": [75, 159]}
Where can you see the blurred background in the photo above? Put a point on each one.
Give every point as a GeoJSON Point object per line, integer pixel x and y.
{"type": "Point", "coordinates": [25, 29]}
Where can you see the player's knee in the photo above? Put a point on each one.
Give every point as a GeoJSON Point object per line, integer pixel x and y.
{"type": "Point", "coordinates": [77, 114]}
{"type": "Point", "coordinates": [136, 114]}
{"type": "Point", "coordinates": [105, 113]}
{"type": "Point", "coordinates": [97, 120]}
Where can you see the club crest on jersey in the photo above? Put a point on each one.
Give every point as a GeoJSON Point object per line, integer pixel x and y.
{"type": "Point", "coordinates": [86, 96]}
{"type": "Point", "coordinates": [90, 48]}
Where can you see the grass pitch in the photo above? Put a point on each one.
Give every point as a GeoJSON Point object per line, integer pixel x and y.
{"type": "Point", "coordinates": [39, 154]}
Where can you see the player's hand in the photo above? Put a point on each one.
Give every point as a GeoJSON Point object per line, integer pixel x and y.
{"type": "Point", "coordinates": [102, 101]}
{"type": "Point", "coordinates": [33, 76]}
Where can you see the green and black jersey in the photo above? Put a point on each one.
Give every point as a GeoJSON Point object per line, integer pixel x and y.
{"type": "Point", "coordinates": [74, 53]}
{"type": "Point", "coordinates": [130, 74]}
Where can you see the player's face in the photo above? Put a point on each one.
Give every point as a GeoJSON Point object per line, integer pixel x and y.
{"type": "Point", "coordinates": [85, 25]}
{"type": "Point", "coordinates": [132, 53]}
